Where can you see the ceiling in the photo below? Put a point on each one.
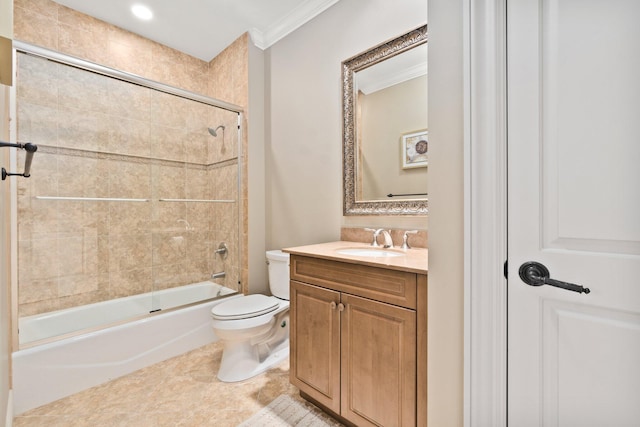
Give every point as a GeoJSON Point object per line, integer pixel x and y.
{"type": "Point", "coordinates": [204, 28]}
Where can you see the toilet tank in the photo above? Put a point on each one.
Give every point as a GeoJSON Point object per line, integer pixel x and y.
{"type": "Point", "coordinates": [278, 273]}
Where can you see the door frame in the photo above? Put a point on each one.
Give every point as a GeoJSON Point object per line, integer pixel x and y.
{"type": "Point", "coordinates": [485, 213]}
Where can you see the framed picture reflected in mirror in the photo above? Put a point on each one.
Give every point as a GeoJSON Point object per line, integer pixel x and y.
{"type": "Point", "coordinates": [414, 149]}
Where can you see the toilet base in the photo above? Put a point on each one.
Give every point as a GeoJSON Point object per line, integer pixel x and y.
{"type": "Point", "coordinates": [241, 360]}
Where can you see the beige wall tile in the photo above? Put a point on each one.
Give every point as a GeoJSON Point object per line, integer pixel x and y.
{"type": "Point", "coordinates": [79, 285]}
{"type": "Point", "coordinates": [128, 52]}
{"type": "Point", "coordinates": [111, 134]}
{"type": "Point", "coordinates": [38, 123]}
{"type": "Point", "coordinates": [38, 290]}
{"type": "Point", "coordinates": [129, 252]}
{"type": "Point", "coordinates": [129, 101]}
{"type": "Point", "coordinates": [168, 248]}
{"type": "Point", "coordinates": [130, 282]}
{"type": "Point", "coordinates": [42, 7]}
{"type": "Point", "coordinates": [128, 217]}
{"type": "Point", "coordinates": [165, 215]}
{"type": "Point", "coordinates": [127, 136]}
{"type": "Point", "coordinates": [168, 182]}
{"type": "Point", "coordinates": [129, 179]}
{"type": "Point", "coordinates": [172, 275]}
{"type": "Point", "coordinates": [39, 259]}
{"type": "Point", "coordinates": [33, 71]}
{"type": "Point", "coordinates": [36, 22]}
{"type": "Point", "coordinates": [82, 128]}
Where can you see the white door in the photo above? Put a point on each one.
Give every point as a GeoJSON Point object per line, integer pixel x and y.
{"type": "Point", "coordinates": [574, 206]}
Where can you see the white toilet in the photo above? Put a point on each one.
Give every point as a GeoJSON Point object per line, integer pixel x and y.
{"type": "Point", "coordinates": [254, 329]}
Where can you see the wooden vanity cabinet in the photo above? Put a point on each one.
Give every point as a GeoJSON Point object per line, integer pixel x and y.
{"type": "Point", "coordinates": [358, 341]}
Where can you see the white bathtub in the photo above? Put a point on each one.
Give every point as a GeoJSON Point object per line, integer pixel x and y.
{"type": "Point", "coordinates": [50, 371]}
{"type": "Point", "coordinates": [60, 322]}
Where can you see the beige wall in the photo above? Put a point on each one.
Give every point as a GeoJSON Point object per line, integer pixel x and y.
{"type": "Point", "coordinates": [6, 34]}
{"type": "Point", "coordinates": [302, 152]}
{"type": "Point", "coordinates": [255, 178]}
{"type": "Point", "coordinates": [5, 261]}
{"type": "Point", "coordinates": [6, 18]}
{"type": "Point", "coordinates": [381, 128]}
{"type": "Point", "coordinates": [445, 307]}
{"type": "Point", "coordinates": [304, 162]}
{"type": "Point", "coordinates": [6, 30]}
{"type": "Point", "coordinates": [102, 137]}
{"type": "Point", "coordinates": [54, 26]}
{"type": "Point", "coordinates": [304, 142]}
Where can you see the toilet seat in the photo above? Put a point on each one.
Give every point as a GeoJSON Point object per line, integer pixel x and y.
{"type": "Point", "coordinates": [245, 307]}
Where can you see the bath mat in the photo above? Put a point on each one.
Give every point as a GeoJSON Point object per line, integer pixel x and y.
{"type": "Point", "coordinates": [284, 411]}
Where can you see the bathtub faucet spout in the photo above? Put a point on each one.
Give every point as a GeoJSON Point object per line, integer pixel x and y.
{"type": "Point", "coordinates": [218, 275]}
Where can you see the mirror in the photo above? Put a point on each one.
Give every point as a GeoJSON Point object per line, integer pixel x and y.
{"type": "Point", "coordinates": [385, 130]}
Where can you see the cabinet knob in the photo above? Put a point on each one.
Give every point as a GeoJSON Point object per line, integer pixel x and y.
{"type": "Point", "coordinates": [332, 305]}
{"type": "Point", "coordinates": [340, 307]}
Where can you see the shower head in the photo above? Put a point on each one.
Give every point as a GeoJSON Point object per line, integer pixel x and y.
{"type": "Point", "coordinates": [214, 132]}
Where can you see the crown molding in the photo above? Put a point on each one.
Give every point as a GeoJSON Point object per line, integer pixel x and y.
{"type": "Point", "coordinates": [394, 79]}
{"type": "Point", "coordinates": [290, 22]}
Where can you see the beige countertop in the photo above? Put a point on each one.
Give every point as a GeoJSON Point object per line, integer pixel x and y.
{"type": "Point", "coordinates": [413, 260]}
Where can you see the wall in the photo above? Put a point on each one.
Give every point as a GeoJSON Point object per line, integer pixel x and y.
{"type": "Point", "coordinates": [304, 142]}
{"type": "Point", "coordinates": [381, 131]}
{"type": "Point", "coordinates": [445, 306]}
{"type": "Point", "coordinates": [104, 138]}
{"type": "Point", "coordinates": [6, 35]}
{"type": "Point", "coordinates": [56, 27]}
{"type": "Point", "coordinates": [304, 161]}
{"type": "Point", "coordinates": [6, 30]}
{"type": "Point", "coordinates": [255, 178]}
{"type": "Point", "coordinates": [5, 261]}
{"type": "Point", "coordinates": [237, 76]}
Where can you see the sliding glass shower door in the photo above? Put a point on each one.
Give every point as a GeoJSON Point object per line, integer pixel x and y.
{"type": "Point", "coordinates": [133, 195]}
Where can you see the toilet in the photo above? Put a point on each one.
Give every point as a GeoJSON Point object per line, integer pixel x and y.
{"type": "Point", "coordinates": [254, 329]}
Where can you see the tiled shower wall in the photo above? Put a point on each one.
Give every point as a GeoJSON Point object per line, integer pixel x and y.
{"type": "Point", "coordinates": [103, 138]}
{"type": "Point", "coordinates": [92, 144]}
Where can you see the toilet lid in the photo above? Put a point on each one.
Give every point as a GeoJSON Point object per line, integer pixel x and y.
{"type": "Point", "coordinates": [244, 307]}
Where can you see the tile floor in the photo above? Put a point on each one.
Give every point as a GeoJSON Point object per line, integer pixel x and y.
{"type": "Point", "coordinates": [182, 391]}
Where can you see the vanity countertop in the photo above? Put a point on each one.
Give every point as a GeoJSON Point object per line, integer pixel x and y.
{"type": "Point", "coordinates": [414, 260]}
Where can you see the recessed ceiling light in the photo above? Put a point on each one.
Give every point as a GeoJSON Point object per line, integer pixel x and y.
{"type": "Point", "coordinates": [141, 11]}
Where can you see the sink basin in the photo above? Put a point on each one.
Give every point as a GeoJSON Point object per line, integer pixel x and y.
{"type": "Point", "coordinates": [369, 252]}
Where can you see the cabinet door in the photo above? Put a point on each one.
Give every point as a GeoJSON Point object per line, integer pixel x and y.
{"type": "Point", "coordinates": [378, 363]}
{"type": "Point", "coordinates": [315, 343]}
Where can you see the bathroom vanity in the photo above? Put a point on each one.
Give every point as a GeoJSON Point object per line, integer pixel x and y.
{"type": "Point", "coordinates": [358, 334]}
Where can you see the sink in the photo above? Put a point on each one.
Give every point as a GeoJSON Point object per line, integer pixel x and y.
{"type": "Point", "coordinates": [370, 252]}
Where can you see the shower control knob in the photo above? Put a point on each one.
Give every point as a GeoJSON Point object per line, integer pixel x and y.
{"type": "Point", "coordinates": [222, 250]}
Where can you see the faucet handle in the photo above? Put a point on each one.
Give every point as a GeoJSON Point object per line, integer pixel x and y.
{"type": "Point", "coordinates": [405, 238]}
{"type": "Point", "coordinates": [375, 235]}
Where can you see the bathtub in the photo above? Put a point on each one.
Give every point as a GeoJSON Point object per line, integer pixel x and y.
{"type": "Point", "coordinates": [53, 370]}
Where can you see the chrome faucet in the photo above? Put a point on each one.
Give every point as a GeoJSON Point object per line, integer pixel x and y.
{"type": "Point", "coordinates": [388, 241]}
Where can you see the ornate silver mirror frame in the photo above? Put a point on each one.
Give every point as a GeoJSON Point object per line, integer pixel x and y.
{"type": "Point", "coordinates": [351, 206]}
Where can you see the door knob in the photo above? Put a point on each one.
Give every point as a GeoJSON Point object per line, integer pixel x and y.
{"type": "Point", "coordinates": [535, 274]}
